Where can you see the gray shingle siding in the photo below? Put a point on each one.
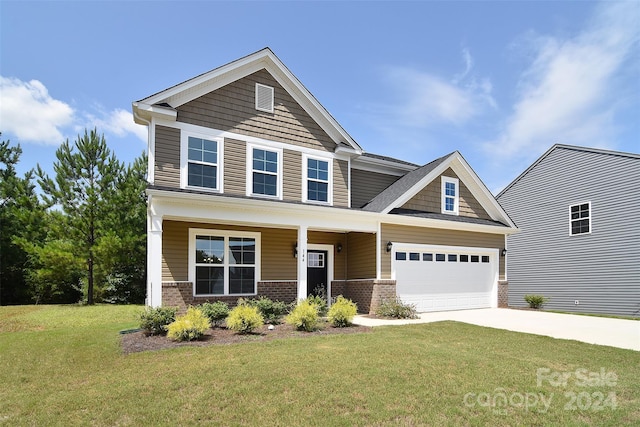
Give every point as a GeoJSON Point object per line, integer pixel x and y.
{"type": "Point", "coordinates": [601, 270]}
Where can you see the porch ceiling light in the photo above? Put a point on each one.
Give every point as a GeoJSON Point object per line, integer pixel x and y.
{"type": "Point", "coordinates": [389, 246]}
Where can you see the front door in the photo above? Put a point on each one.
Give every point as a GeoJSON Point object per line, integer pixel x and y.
{"type": "Point", "coordinates": [317, 273]}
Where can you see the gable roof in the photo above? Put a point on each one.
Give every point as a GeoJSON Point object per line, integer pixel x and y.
{"type": "Point", "coordinates": [567, 147]}
{"type": "Point", "coordinates": [397, 194]}
{"type": "Point", "coordinates": [164, 103]}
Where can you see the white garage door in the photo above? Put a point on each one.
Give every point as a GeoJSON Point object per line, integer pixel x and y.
{"type": "Point", "coordinates": [440, 278]}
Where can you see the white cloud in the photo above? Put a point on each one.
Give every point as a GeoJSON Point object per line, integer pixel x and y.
{"type": "Point", "coordinates": [33, 116]}
{"type": "Point", "coordinates": [30, 113]}
{"type": "Point", "coordinates": [117, 122]}
{"type": "Point", "coordinates": [571, 90]}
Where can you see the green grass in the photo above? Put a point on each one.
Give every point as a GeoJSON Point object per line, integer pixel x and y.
{"type": "Point", "coordinates": [62, 365]}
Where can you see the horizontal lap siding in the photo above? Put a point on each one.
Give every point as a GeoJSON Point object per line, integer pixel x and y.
{"type": "Point", "coordinates": [235, 166]}
{"type": "Point", "coordinates": [361, 255]}
{"type": "Point", "coordinates": [292, 176]}
{"type": "Point", "coordinates": [232, 108]}
{"type": "Point", "coordinates": [601, 269]}
{"type": "Point", "coordinates": [365, 185]}
{"type": "Point", "coordinates": [277, 261]}
{"type": "Point", "coordinates": [340, 183]}
{"type": "Point", "coordinates": [434, 236]}
{"type": "Point", "coordinates": [167, 157]}
{"type": "Point", "coordinates": [339, 259]}
{"type": "Point", "coordinates": [429, 199]}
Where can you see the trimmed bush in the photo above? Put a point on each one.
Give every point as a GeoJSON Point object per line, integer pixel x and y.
{"type": "Point", "coordinates": [215, 311]}
{"type": "Point", "coordinates": [342, 312]}
{"type": "Point", "coordinates": [190, 326]}
{"type": "Point", "coordinates": [271, 311]}
{"type": "Point", "coordinates": [396, 309]}
{"type": "Point", "coordinates": [535, 301]}
{"type": "Point", "coordinates": [244, 319]}
{"type": "Point", "coordinates": [154, 321]}
{"type": "Point", "coordinates": [320, 303]}
{"type": "Point", "coordinates": [304, 317]}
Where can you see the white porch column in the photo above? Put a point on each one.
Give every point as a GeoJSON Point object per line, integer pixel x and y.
{"type": "Point", "coordinates": [154, 258]}
{"type": "Point", "coordinates": [302, 262]}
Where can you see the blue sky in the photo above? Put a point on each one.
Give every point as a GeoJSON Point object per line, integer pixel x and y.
{"type": "Point", "coordinates": [499, 81]}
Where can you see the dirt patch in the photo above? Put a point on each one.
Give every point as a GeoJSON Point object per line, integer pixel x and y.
{"type": "Point", "coordinates": [138, 341]}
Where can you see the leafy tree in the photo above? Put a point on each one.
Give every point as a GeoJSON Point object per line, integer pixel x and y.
{"type": "Point", "coordinates": [86, 180]}
{"type": "Point", "coordinates": [21, 219]}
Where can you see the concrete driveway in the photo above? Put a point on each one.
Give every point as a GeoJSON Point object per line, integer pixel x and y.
{"type": "Point", "coordinates": [593, 330]}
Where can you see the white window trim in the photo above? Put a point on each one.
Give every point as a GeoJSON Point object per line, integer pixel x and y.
{"type": "Point", "coordinates": [571, 220]}
{"type": "Point", "coordinates": [193, 232]}
{"type": "Point", "coordinates": [184, 161]}
{"type": "Point", "coordinates": [456, 202]}
{"type": "Point", "coordinates": [278, 151]}
{"type": "Point", "coordinates": [272, 89]}
{"type": "Point", "coordinates": [305, 179]}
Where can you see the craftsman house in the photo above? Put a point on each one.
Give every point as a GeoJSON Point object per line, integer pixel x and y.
{"type": "Point", "coordinates": [255, 189]}
{"type": "Point", "coordinates": [579, 243]}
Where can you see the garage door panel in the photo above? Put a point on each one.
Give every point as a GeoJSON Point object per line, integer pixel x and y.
{"type": "Point", "coordinates": [445, 278]}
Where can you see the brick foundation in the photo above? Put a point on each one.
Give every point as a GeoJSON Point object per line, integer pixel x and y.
{"type": "Point", "coordinates": [367, 294]}
{"type": "Point", "coordinates": [503, 294]}
{"type": "Point", "coordinates": [180, 294]}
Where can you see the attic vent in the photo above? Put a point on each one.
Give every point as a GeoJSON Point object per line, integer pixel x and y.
{"type": "Point", "coordinates": [264, 98]}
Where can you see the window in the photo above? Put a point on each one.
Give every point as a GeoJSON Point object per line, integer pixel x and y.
{"type": "Point", "coordinates": [401, 256]}
{"type": "Point", "coordinates": [450, 195]}
{"type": "Point", "coordinates": [485, 259]}
{"type": "Point", "coordinates": [580, 220]}
{"type": "Point", "coordinates": [264, 98]}
{"type": "Point", "coordinates": [464, 258]}
{"type": "Point", "coordinates": [317, 180]}
{"type": "Point", "coordinates": [264, 172]}
{"type": "Point", "coordinates": [475, 258]}
{"type": "Point", "coordinates": [201, 164]}
{"type": "Point", "coordinates": [315, 259]}
{"type": "Point", "coordinates": [427, 257]}
{"type": "Point", "coordinates": [440, 257]}
{"type": "Point", "coordinates": [452, 258]}
{"type": "Point", "coordinates": [414, 256]}
{"type": "Point", "coordinates": [223, 263]}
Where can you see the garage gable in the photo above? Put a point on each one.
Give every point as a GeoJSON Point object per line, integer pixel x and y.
{"type": "Point", "coordinates": [429, 199]}
{"type": "Point", "coordinates": [421, 190]}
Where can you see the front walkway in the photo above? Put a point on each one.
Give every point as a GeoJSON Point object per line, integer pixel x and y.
{"type": "Point", "coordinates": [593, 330]}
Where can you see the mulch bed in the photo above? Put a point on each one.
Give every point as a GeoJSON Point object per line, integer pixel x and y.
{"type": "Point", "coordinates": [137, 341]}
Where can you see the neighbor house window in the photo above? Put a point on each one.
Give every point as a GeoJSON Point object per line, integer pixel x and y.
{"type": "Point", "coordinates": [201, 161]}
{"type": "Point", "coordinates": [450, 195]}
{"type": "Point", "coordinates": [223, 263]}
{"type": "Point", "coordinates": [317, 178]}
{"type": "Point", "coordinates": [580, 220]}
{"type": "Point", "coordinates": [265, 172]}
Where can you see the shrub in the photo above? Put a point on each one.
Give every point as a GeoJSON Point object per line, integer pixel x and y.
{"type": "Point", "coordinates": [535, 301]}
{"type": "Point", "coordinates": [154, 321]}
{"type": "Point", "coordinates": [271, 311]}
{"type": "Point", "coordinates": [320, 304]}
{"type": "Point", "coordinates": [190, 326]}
{"type": "Point", "coordinates": [215, 311]}
{"type": "Point", "coordinates": [397, 309]}
{"type": "Point", "coordinates": [304, 317]}
{"type": "Point", "coordinates": [342, 312]}
{"type": "Point", "coordinates": [244, 319]}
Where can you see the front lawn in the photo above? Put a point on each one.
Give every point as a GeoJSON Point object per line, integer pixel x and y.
{"type": "Point", "coordinates": [63, 365]}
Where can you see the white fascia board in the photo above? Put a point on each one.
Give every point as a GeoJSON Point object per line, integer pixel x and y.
{"type": "Point", "coordinates": [171, 205]}
{"type": "Point", "coordinates": [149, 111]}
{"type": "Point", "coordinates": [480, 191]}
{"type": "Point", "coordinates": [446, 225]}
{"type": "Point", "coordinates": [382, 166]}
